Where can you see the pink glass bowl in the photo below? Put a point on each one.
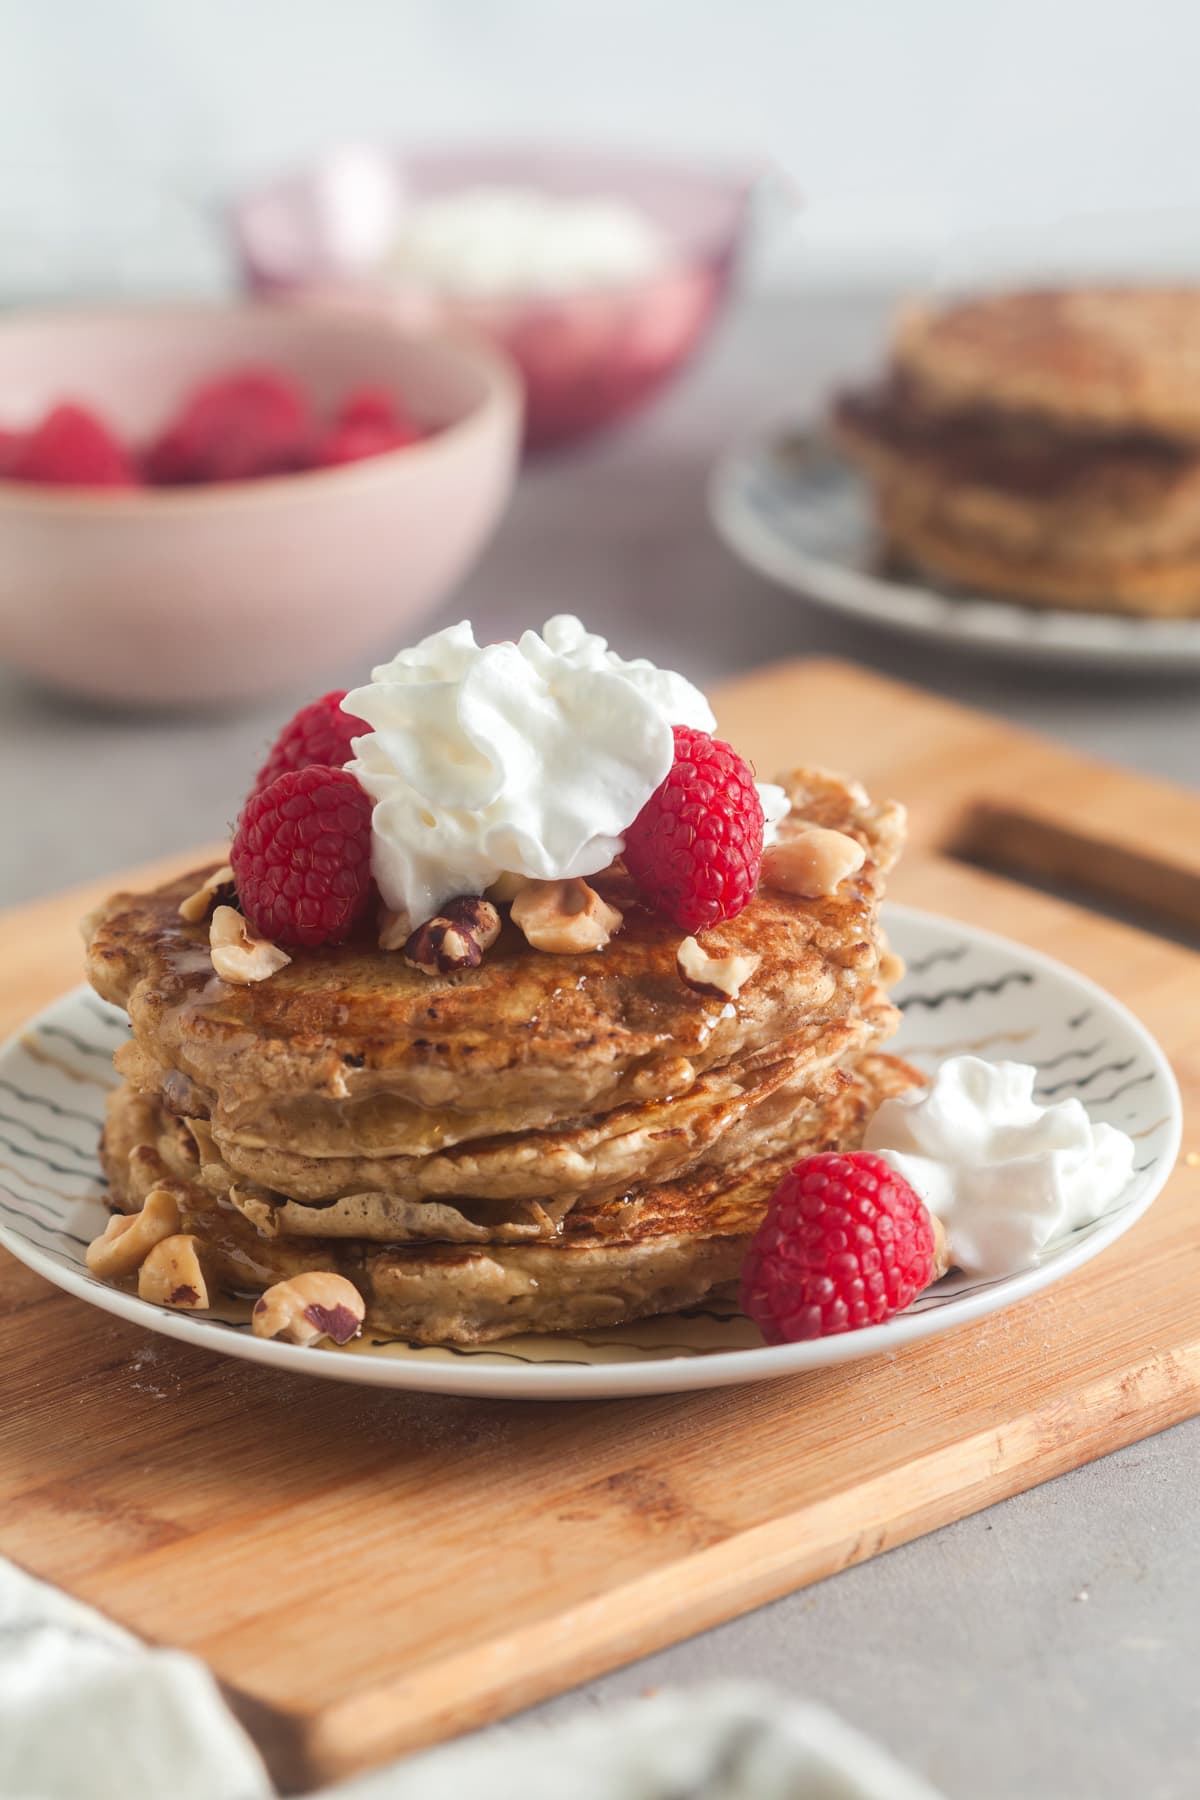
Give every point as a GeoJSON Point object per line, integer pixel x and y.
{"type": "Point", "coordinates": [195, 596]}
{"type": "Point", "coordinates": [587, 358]}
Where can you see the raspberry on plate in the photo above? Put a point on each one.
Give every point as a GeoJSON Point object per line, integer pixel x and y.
{"type": "Point", "coordinates": [846, 1242]}
{"type": "Point", "coordinates": [695, 849]}
{"type": "Point", "coordinates": [319, 733]}
{"type": "Point", "coordinates": [248, 423]}
{"type": "Point", "coordinates": [71, 447]}
{"type": "Point", "coordinates": [302, 857]}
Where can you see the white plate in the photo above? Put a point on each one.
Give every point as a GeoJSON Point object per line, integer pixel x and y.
{"type": "Point", "coordinates": [794, 509]}
{"type": "Point", "coordinates": [965, 989]}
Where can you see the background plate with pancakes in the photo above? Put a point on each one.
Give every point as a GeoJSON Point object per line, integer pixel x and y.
{"type": "Point", "coordinates": [1024, 478]}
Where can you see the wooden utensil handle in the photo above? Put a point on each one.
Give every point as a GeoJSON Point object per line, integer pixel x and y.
{"type": "Point", "coordinates": [1143, 884]}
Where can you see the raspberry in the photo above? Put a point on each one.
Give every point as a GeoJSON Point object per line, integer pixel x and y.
{"type": "Point", "coordinates": [248, 423]}
{"type": "Point", "coordinates": [846, 1242]}
{"type": "Point", "coordinates": [695, 849]}
{"type": "Point", "coordinates": [356, 439]}
{"type": "Point", "coordinates": [10, 443]}
{"type": "Point", "coordinates": [71, 447]}
{"type": "Point", "coordinates": [302, 857]}
{"type": "Point", "coordinates": [319, 733]}
{"type": "Point", "coordinates": [369, 406]}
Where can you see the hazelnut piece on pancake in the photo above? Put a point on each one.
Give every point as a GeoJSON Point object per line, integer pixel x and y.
{"type": "Point", "coordinates": [813, 862]}
{"type": "Point", "coordinates": [718, 977]}
{"type": "Point", "coordinates": [237, 955]}
{"type": "Point", "coordinates": [565, 918]}
{"type": "Point", "coordinates": [217, 888]}
{"type": "Point", "coordinates": [172, 1276]}
{"type": "Point", "coordinates": [456, 938]}
{"type": "Point", "coordinates": [308, 1308]}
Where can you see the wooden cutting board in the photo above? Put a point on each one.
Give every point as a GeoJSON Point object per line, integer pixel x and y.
{"type": "Point", "coordinates": [371, 1571]}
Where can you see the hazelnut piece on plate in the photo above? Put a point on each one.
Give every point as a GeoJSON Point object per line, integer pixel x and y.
{"type": "Point", "coordinates": [128, 1238]}
{"type": "Point", "coordinates": [308, 1308]}
{"type": "Point", "coordinates": [172, 1276]}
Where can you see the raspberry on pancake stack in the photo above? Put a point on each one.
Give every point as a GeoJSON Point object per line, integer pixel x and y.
{"type": "Point", "coordinates": [512, 1016]}
{"type": "Point", "coordinates": [1043, 446]}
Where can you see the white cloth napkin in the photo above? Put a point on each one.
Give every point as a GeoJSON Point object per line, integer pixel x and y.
{"type": "Point", "coordinates": [89, 1713]}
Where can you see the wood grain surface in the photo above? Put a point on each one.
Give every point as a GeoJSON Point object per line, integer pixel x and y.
{"type": "Point", "coordinates": [370, 1571]}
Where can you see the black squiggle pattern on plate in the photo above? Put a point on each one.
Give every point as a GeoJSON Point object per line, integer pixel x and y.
{"type": "Point", "coordinates": [1055, 1062]}
{"type": "Point", "coordinates": [953, 954]}
{"type": "Point", "coordinates": [61, 1112]}
{"type": "Point", "coordinates": [1083, 1081]}
{"type": "Point", "coordinates": [77, 1042]}
{"type": "Point", "coordinates": [934, 1002]}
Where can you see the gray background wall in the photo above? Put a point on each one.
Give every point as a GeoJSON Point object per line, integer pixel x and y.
{"type": "Point", "coordinates": [931, 138]}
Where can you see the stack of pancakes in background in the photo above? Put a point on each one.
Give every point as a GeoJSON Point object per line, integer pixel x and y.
{"type": "Point", "coordinates": [542, 1143]}
{"type": "Point", "coordinates": [1044, 446]}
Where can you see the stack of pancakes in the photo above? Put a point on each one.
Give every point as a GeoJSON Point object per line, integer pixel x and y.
{"type": "Point", "coordinates": [1044, 446]}
{"type": "Point", "coordinates": [542, 1143]}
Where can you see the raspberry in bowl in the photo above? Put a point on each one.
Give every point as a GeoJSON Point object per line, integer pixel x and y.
{"type": "Point", "coordinates": [600, 275]}
{"type": "Point", "coordinates": [250, 570]}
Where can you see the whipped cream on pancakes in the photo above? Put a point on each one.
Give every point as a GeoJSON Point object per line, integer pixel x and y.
{"type": "Point", "coordinates": [1007, 1176]}
{"type": "Point", "coordinates": [527, 759]}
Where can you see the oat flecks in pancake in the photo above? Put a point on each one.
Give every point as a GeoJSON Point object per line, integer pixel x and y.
{"type": "Point", "coordinates": [525, 1040]}
{"type": "Point", "coordinates": [612, 1262]}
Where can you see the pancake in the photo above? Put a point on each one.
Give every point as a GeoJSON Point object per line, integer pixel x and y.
{"type": "Point", "coordinates": [637, 1142]}
{"type": "Point", "coordinates": [1091, 362]}
{"type": "Point", "coordinates": [1167, 588]}
{"type": "Point", "coordinates": [371, 1057]}
{"type": "Point", "coordinates": [1022, 489]}
{"type": "Point", "coordinates": [611, 1261]}
{"type": "Point", "coordinates": [520, 1192]}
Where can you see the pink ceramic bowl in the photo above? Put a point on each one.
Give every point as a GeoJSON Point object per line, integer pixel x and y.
{"type": "Point", "coordinates": [587, 358]}
{"type": "Point", "coordinates": [214, 594]}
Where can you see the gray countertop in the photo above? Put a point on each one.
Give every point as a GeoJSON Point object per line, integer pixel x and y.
{"type": "Point", "coordinates": [1046, 1647]}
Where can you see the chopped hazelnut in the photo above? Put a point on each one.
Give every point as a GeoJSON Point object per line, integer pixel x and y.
{"type": "Point", "coordinates": [456, 938]}
{"type": "Point", "coordinates": [564, 917]}
{"type": "Point", "coordinates": [217, 888]}
{"type": "Point", "coordinates": [128, 1238]}
{"type": "Point", "coordinates": [171, 1275]}
{"type": "Point", "coordinates": [308, 1308]}
{"type": "Point", "coordinates": [237, 955]}
{"type": "Point", "coordinates": [719, 977]}
{"type": "Point", "coordinates": [812, 862]}
{"type": "Point", "coordinates": [941, 1250]}
{"type": "Point", "coordinates": [662, 1079]}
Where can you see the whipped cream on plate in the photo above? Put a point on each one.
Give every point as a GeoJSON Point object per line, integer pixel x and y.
{"type": "Point", "coordinates": [528, 759]}
{"type": "Point", "coordinates": [495, 241]}
{"type": "Point", "coordinates": [1007, 1176]}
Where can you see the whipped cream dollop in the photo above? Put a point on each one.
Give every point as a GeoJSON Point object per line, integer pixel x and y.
{"type": "Point", "coordinates": [496, 241]}
{"type": "Point", "coordinates": [528, 759]}
{"type": "Point", "coordinates": [1007, 1176]}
